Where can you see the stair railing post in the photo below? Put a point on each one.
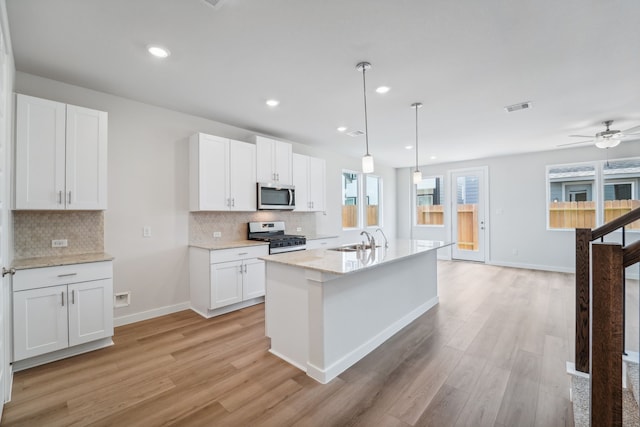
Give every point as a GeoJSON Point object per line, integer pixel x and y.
{"type": "Point", "coordinates": [606, 335]}
{"type": "Point", "coordinates": [583, 239]}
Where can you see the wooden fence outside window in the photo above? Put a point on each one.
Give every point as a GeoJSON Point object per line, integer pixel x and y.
{"type": "Point", "coordinates": [583, 214]}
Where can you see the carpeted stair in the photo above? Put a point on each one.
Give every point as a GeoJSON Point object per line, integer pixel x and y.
{"type": "Point", "coordinates": [630, 395]}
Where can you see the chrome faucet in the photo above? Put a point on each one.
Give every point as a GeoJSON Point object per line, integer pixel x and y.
{"type": "Point", "coordinates": [386, 242]}
{"type": "Point", "coordinates": [372, 240]}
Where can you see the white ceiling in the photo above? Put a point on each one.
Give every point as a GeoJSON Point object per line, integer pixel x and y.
{"type": "Point", "coordinates": [578, 61]}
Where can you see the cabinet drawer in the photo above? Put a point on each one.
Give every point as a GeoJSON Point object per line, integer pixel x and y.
{"type": "Point", "coordinates": [236, 254]}
{"type": "Point", "coordinates": [33, 278]}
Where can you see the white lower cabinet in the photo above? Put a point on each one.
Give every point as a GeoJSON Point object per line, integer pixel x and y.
{"type": "Point", "coordinates": [49, 316]}
{"type": "Point", "coordinates": [226, 279]}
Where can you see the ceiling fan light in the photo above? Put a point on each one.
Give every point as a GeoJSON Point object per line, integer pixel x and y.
{"type": "Point", "coordinates": [608, 143]}
{"type": "Point", "coordinates": [367, 163]}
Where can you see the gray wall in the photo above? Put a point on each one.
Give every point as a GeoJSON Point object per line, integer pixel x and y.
{"type": "Point", "coordinates": [517, 207]}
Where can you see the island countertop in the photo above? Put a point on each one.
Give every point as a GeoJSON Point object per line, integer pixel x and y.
{"type": "Point", "coordinates": [337, 262]}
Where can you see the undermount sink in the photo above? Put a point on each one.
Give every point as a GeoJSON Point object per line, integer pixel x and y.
{"type": "Point", "coordinates": [352, 248]}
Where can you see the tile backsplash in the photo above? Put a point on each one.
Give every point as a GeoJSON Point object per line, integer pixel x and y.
{"type": "Point", "coordinates": [233, 225]}
{"type": "Point", "coordinates": [34, 230]}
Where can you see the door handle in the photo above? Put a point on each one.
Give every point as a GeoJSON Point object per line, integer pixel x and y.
{"type": "Point", "coordinates": [245, 269]}
{"type": "Point", "coordinates": [62, 297]}
{"type": "Point", "coordinates": [60, 197]}
{"type": "Point", "coordinates": [69, 197]}
{"type": "Point", "coordinates": [10, 271]}
{"type": "Point", "coordinates": [67, 275]}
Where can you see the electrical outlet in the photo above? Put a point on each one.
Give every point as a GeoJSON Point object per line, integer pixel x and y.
{"type": "Point", "coordinates": [217, 234]}
{"type": "Point", "coordinates": [299, 229]}
{"type": "Point", "coordinates": [61, 243]}
{"type": "Point", "coordinates": [146, 231]}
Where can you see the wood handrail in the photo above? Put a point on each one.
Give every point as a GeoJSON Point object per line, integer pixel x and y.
{"type": "Point", "coordinates": [631, 254]}
{"type": "Point", "coordinates": [613, 225]}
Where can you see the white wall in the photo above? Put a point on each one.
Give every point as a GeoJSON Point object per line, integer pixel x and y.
{"type": "Point", "coordinates": [517, 189]}
{"type": "Point", "coordinates": [148, 185]}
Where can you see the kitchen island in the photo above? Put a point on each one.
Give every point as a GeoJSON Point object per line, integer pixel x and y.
{"type": "Point", "coordinates": [326, 309]}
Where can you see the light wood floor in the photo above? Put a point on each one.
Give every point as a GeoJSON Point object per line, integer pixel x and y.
{"type": "Point", "coordinates": [493, 353]}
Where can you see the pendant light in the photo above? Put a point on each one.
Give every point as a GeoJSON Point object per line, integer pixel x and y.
{"type": "Point", "coordinates": [417, 175]}
{"type": "Point", "coordinates": [367, 160]}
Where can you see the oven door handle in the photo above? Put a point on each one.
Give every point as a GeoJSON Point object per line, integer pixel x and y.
{"type": "Point", "coordinates": [290, 197]}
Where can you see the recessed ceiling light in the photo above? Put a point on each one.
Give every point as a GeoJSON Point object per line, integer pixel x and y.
{"type": "Point", "coordinates": [383, 89]}
{"type": "Point", "coordinates": [342, 128]}
{"type": "Point", "coordinates": [158, 51]}
{"type": "Point", "coordinates": [273, 102]}
{"type": "Point", "coordinates": [433, 157]}
{"type": "Point", "coordinates": [408, 147]}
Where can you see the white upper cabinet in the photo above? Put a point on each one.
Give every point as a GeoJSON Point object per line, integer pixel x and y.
{"type": "Point", "coordinates": [309, 180]}
{"type": "Point", "coordinates": [61, 156]}
{"type": "Point", "coordinates": [274, 162]}
{"type": "Point", "coordinates": [222, 175]}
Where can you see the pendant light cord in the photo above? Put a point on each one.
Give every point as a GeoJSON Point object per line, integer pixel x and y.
{"type": "Point", "coordinates": [416, 137]}
{"type": "Point", "coordinates": [366, 127]}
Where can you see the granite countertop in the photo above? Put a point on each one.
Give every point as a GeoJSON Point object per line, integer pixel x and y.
{"type": "Point", "coordinates": [336, 262]}
{"type": "Point", "coordinates": [57, 260]}
{"type": "Point", "coordinates": [216, 244]}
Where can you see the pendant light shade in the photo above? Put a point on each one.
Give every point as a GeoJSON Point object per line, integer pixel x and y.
{"type": "Point", "coordinates": [417, 175]}
{"type": "Point", "coordinates": [367, 160]}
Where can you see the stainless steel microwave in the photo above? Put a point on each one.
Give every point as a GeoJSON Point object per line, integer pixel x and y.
{"type": "Point", "coordinates": [273, 196]}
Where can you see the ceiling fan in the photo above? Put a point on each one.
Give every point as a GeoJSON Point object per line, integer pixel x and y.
{"type": "Point", "coordinates": [607, 138]}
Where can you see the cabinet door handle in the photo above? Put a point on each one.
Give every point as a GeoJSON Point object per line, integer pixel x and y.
{"type": "Point", "coordinates": [62, 297]}
{"type": "Point", "coordinates": [69, 197]}
{"type": "Point", "coordinates": [73, 296]}
{"type": "Point", "coordinates": [233, 202]}
{"type": "Point", "coordinates": [245, 269]}
{"type": "Point", "coordinates": [67, 275]}
{"type": "Point", "coordinates": [243, 253]}
{"type": "Point", "coordinates": [240, 269]}
{"type": "Point", "coordinates": [277, 177]}
{"type": "Point", "coordinates": [60, 197]}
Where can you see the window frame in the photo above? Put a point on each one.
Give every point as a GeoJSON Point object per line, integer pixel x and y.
{"type": "Point", "coordinates": [597, 187]}
{"type": "Point", "coordinates": [414, 202]}
{"type": "Point", "coordinates": [361, 195]}
{"type": "Point", "coordinates": [365, 204]}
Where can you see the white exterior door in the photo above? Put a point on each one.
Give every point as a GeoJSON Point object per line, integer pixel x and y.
{"type": "Point", "coordinates": [40, 153]}
{"type": "Point", "coordinates": [242, 182]}
{"type": "Point", "coordinates": [90, 305]}
{"type": "Point", "coordinates": [468, 203]}
{"type": "Point", "coordinates": [39, 321]}
{"type": "Point", "coordinates": [86, 159]}
{"type": "Point", "coordinates": [226, 283]}
{"type": "Point", "coordinates": [253, 284]}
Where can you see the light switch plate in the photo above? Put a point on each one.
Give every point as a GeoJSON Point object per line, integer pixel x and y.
{"type": "Point", "coordinates": [146, 231]}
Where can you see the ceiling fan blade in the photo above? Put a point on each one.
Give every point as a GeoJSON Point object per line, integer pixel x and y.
{"type": "Point", "coordinates": [575, 143]}
{"type": "Point", "coordinates": [632, 130]}
{"type": "Point", "coordinates": [581, 136]}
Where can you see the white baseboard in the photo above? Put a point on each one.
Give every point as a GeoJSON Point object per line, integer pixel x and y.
{"type": "Point", "coordinates": [323, 376]}
{"type": "Point", "coordinates": [150, 314]}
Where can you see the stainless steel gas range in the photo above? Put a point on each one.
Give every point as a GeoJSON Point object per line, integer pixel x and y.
{"type": "Point", "coordinates": [273, 232]}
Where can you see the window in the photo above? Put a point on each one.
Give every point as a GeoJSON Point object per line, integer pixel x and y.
{"type": "Point", "coordinates": [571, 202]}
{"type": "Point", "coordinates": [621, 189]}
{"type": "Point", "coordinates": [350, 192]}
{"type": "Point", "coordinates": [373, 193]}
{"type": "Point", "coordinates": [587, 195]}
{"type": "Point", "coordinates": [428, 202]}
{"type": "Point", "coordinates": [354, 212]}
